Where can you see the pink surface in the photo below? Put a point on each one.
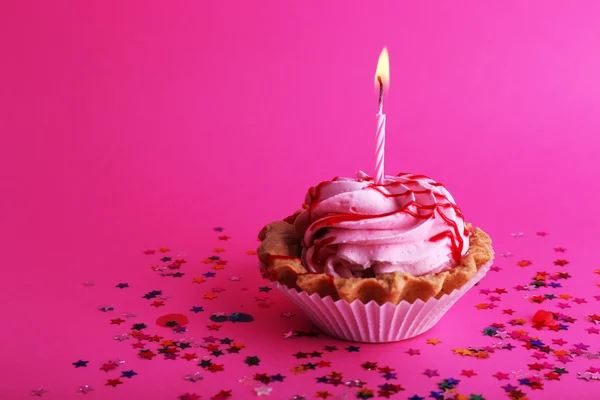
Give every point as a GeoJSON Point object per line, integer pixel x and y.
{"type": "Point", "coordinates": [133, 126]}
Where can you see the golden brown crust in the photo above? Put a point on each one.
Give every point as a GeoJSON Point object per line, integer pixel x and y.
{"type": "Point", "coordinates": [280, 251]}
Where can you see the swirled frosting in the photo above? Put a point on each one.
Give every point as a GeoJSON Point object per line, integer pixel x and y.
{"type": "Point", "coordinates": [355, 228]}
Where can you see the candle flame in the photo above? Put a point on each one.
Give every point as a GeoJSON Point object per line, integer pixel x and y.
{"type": "Point", "coordinates": [383, 70]}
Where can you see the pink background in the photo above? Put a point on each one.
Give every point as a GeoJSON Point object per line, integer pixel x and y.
{"type": "Point", "coordinates": [137, 125]}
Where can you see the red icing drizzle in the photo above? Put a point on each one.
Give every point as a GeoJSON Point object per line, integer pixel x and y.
{"type": "Point", "coordinates": [317, 250]}
{"type": "Point", "coordinates": [453, 233]}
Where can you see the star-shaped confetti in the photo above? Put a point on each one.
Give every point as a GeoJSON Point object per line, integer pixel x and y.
{"type": "Point", "coordinates": [189, 396]}
{"type": "Point", "coordinates": [468, 373]}
{"type": "Point", "coordinates": [252, 360]}
{"type": "Point", "coordinates": [413, 352]}
{"type": "Point", "coordinates": [500, 376]}
{"type": "Point", "coordinates": [430, 373]}
{"type": "Point", "coordinates": [80, 363]}
{"type": "Point", "coordinates": [263, 390]}
{"type": "Point", "coordinates": [85, 389]}
{"type": "Point", "coordinates": [128, 374]}
{"type": "Point", "coordinates": [524, 263]}
{"type": "Point", "coordinates": [113, 382]}
{"type": "Point", "coordinates": [39, 392]}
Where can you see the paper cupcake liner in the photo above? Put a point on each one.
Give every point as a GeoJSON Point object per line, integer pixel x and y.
{"type": "Point", "coordinates": [372, 323]}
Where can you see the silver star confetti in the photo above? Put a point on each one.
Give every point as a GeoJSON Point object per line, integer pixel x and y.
{"type": "Point", "coordinates": [584, 375]}
{"type": "Point", "coordinates": [106, 307]}
{"type": "Point", "coordinates": [39, 392]}
{"type": "Point", "coordinates": [263, 390]}
{"type": "Point", "coordinates": [245, 381]}
{"type": "Point", "coordinates": [502, 335]}
{"type": "Point", "coordinates": [85, 389]}
{"type": "Point", "coordinates": [592, 356]}
{"type": "Point", "coordinates": [195, 377]}
{"type": "Point", "coordinates": [130, 315]}
{"type": "Point", "coordinates": [519, 374]}
{"type": "Point", "coordinates": [355, 383]}
{"type": "Point", "coordinates": [121, 337]}
{"type": "Point", "coordinates": [89, 283]}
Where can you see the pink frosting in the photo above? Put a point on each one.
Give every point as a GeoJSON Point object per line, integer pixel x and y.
{"type": "Point", "coordinates": [354, 228]}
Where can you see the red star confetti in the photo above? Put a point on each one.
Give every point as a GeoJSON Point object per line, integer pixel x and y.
{"type": "Point", "coordinates": [500, 376]}
{"type": "Point", "coordinates": [468, 373]}
{"type": "Point", "coordinates": [189, 396]}
{"type": "Point", "coordinates": [113, 382]}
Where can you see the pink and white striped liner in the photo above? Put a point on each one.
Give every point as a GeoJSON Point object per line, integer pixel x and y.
{"type": "Point", "coordinates": [372, 323]}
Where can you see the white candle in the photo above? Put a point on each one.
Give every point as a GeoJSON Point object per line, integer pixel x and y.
{"type": "Point", "coordinates": [380, 146]}
{"type": "Point", "coordinates": [382, 79]}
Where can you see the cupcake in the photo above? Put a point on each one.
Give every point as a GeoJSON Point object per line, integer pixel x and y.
{"type": "Point", "coordinates": [375, 262]}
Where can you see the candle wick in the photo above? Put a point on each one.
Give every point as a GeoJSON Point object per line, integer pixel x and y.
{"type": "Point", "coordinates": [380, 94]}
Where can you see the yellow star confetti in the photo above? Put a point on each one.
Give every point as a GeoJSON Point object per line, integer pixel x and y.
{"type": "Point", "coordinates": [560, 353]}
{"type": "Point", "coordinates": [298, 370]}
{"type": "Point", "coordinates": [524, 263]}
